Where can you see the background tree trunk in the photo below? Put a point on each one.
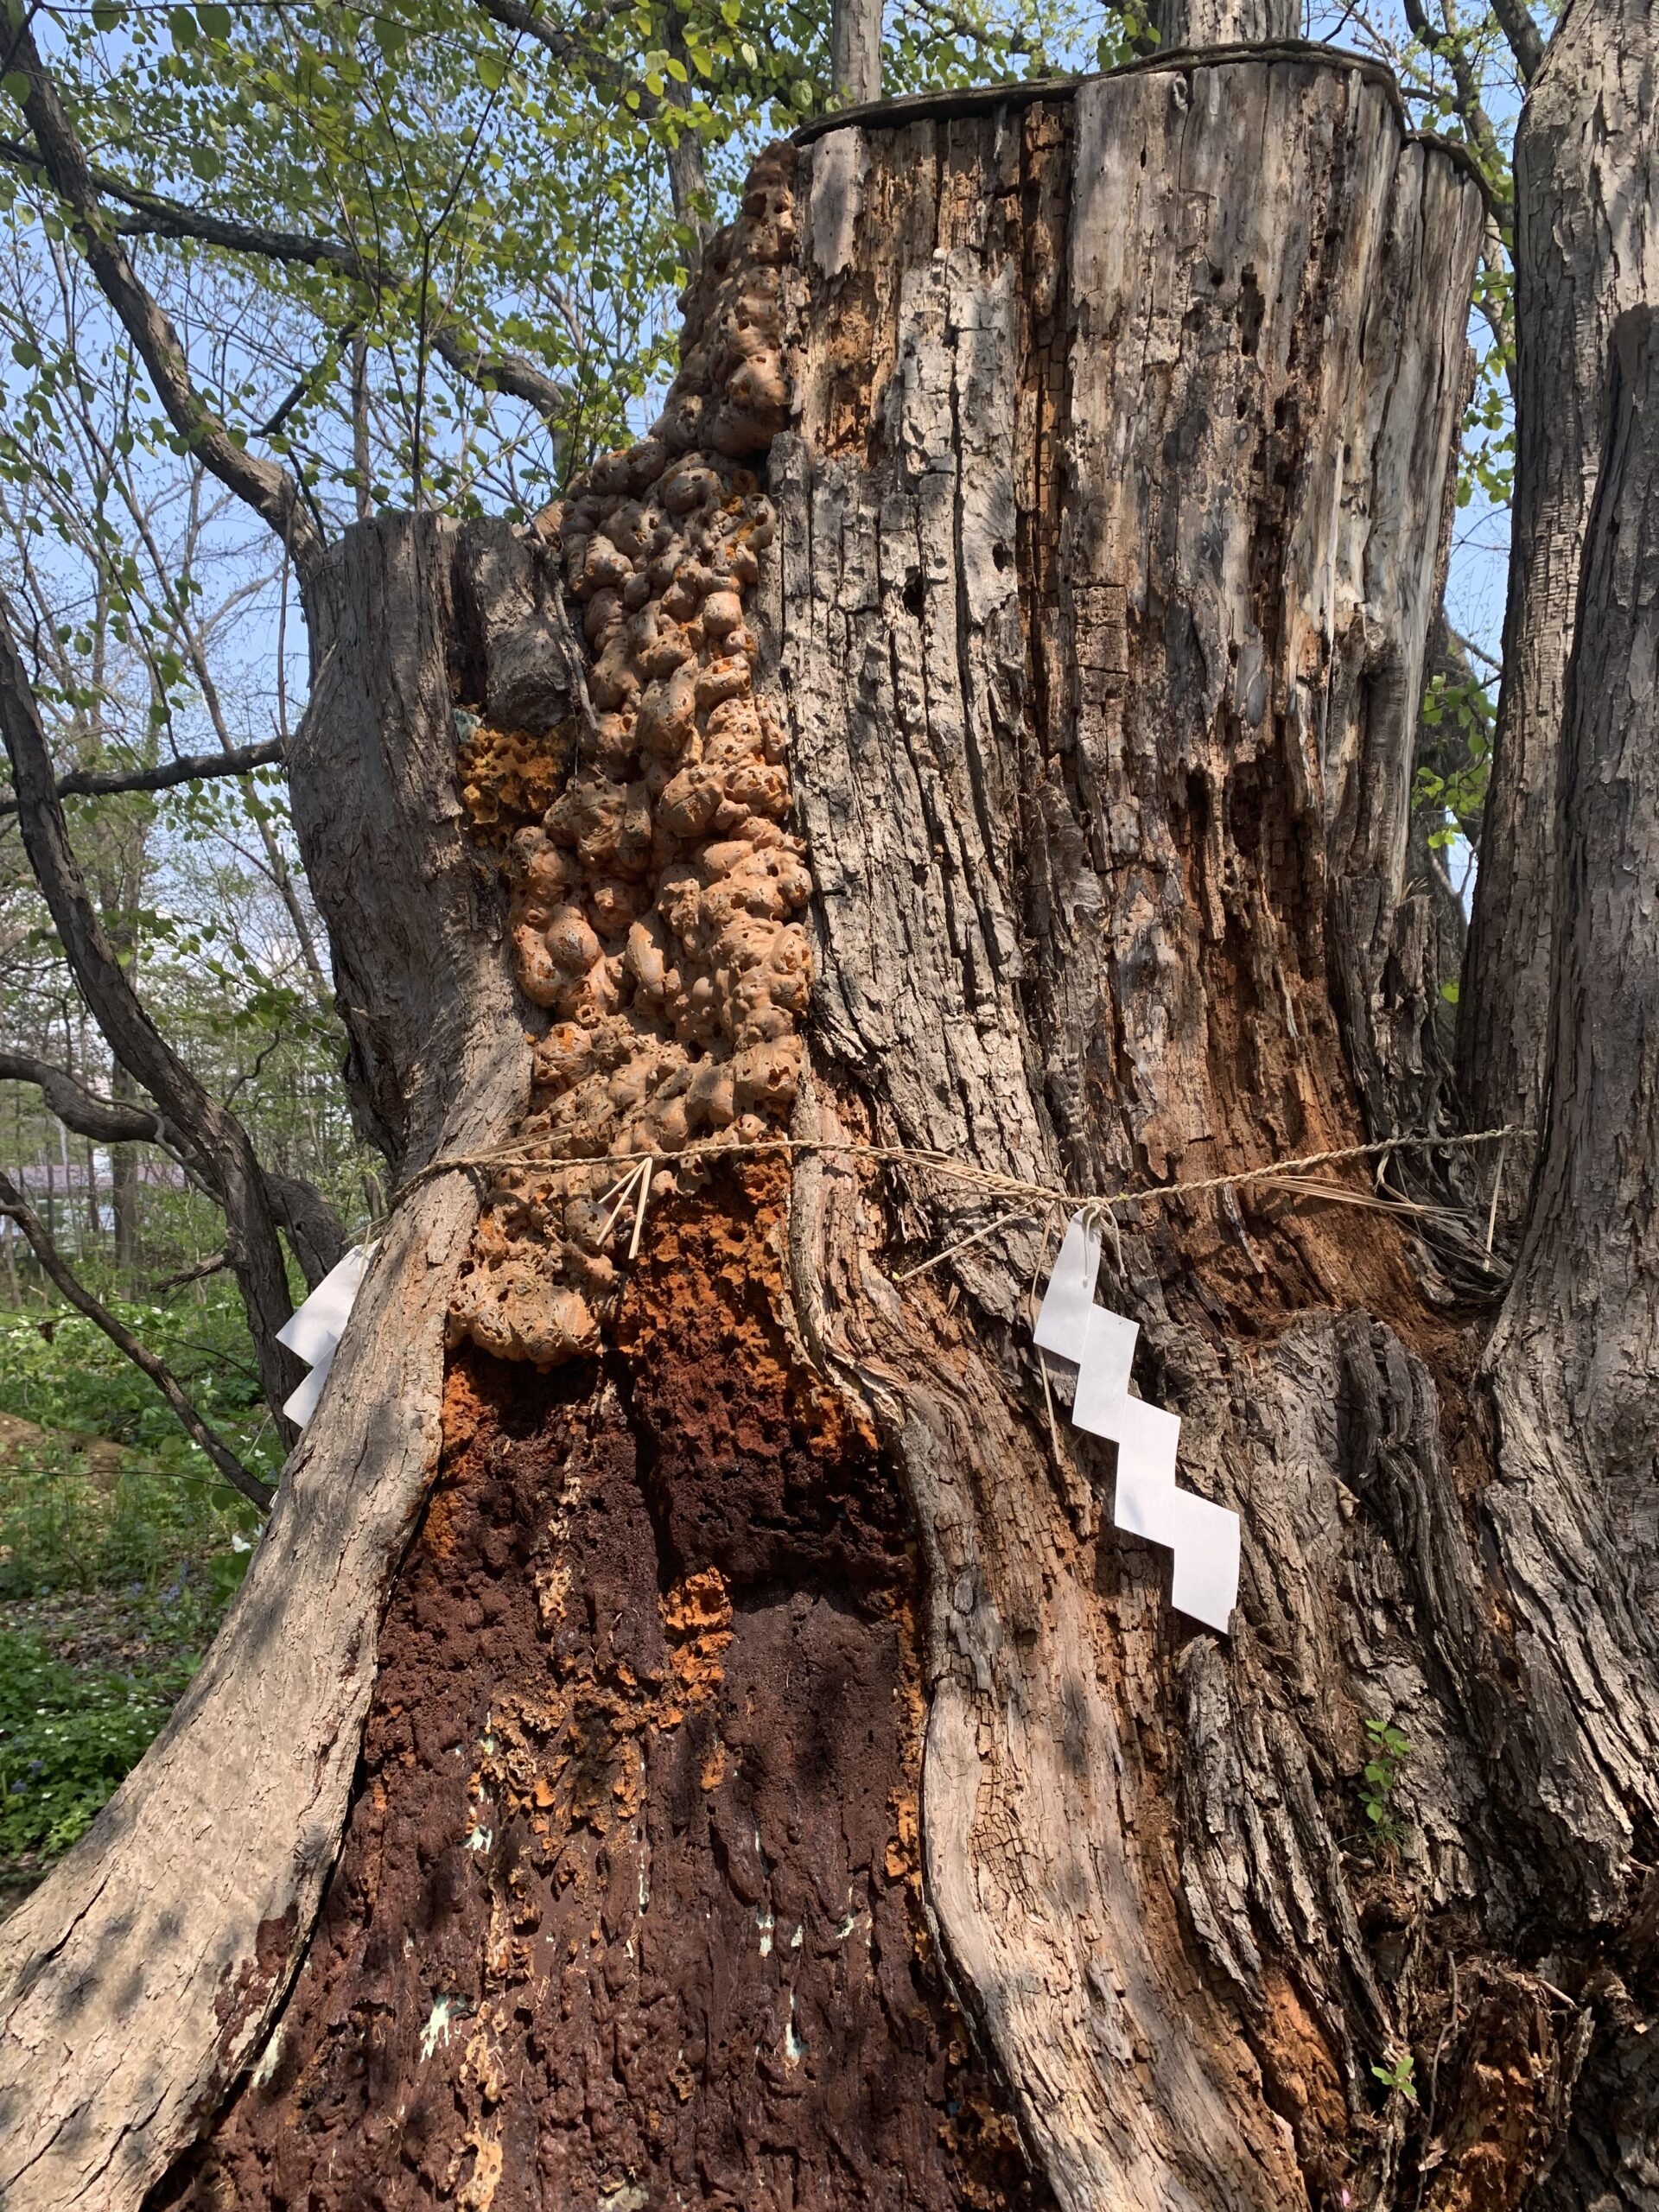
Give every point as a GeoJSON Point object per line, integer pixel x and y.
{"type": "Point", "coordinates": [855, 51]}
{"type": "Point", "coordinates": [779, 1783]}
{"type": "Point", "coordinates": [1586, 248]}
{"type": "Point", "coordinates": [1224, 23]}
{"type": "Point", "coordinates": [1576, 1508]}
{"type": "Point", "coordinates": [125, 1188]}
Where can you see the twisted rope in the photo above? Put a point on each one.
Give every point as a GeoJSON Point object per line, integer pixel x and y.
{"type": "Point", "coordinates": [1040, 1196]}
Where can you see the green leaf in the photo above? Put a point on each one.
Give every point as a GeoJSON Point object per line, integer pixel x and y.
{"type": "Point", "coordinates": [184, 25]}
{"type": "Point", "coordinates": [25, 355]}
{"type": "Point", "coordinates": [214, 18]}
{"type": "Point", "coordinates": [107, 15]}
{"type": "Point", "coordinates": [15, 84]}
{"type": "Point", "coordinates": [491, 71]}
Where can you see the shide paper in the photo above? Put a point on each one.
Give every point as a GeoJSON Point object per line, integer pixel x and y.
{"type": "Point", "coordinates": [1204, 1538]}
{"type": "Point", "coordinates": [313, 1332]}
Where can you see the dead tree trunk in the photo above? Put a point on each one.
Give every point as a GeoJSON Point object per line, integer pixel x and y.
{"type": "Point", "coordinates": [691, 1733]}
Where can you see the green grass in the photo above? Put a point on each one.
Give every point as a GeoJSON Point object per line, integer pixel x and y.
{"type": "Point", "coordinates": [114, 1573]}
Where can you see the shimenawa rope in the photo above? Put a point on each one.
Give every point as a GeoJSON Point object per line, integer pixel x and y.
{"type": "Point", "coordinates": [639, 1168]}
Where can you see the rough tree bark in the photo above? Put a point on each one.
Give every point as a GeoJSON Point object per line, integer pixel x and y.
{"type": "Point", "coordinates": [1180, 23]}
{"type": "Point", "coordinates": [855, 51]}
{"type": "Point", "coordinates": [1574, 1511]}
{"type": "Point", "coordinates": [1587, 249]}
{"type": "Point", "coordinates": [691, 1733]}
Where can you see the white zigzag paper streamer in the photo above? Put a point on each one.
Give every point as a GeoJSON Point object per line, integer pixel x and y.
{"type": "Point", "coordinates": [1204, 1538]}
{"type": "Point", "coordinates": [314, 1330]}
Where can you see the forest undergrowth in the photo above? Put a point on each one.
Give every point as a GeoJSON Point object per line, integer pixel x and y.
{"type": "Point", "coordinates": [120, 1550]}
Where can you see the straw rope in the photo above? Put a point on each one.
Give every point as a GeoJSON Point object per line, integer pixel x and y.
{"type": "Point", "coordinates": [640, 1167]}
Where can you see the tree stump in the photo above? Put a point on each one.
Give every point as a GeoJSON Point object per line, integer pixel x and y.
{"type": "Point", "coordinates": [692, 1733]}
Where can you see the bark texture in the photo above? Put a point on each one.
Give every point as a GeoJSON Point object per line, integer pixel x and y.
{"type": "Point", "coordinates": [1587, 249]}
{"type": "Point", "coordinates": [1119, 583]}
{"type": "Point", "coordinates": [855, 51]}
{"type": "Point", "coordinates": [979, 719]}
{"type": "Point", "coordinates": [1574, 1363]}
{"type": "Point", "coordinates": [1224, 23]}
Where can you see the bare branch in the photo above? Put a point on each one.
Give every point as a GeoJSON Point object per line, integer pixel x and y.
{"type": "Point", "coordinates": [206, 1135]}
{"type": "Point", "coordinates": [314, 1228]}
{"type": "Point", "coordinates": [157, 217]}
{"type": "Point", "coordinates": [215, 1263]}
{"type": "Point", "coordinates": [13, 1205]}
{"type": "Point", "coordinates": [271, 491]}
{"type": "Point", "coordinates": [106, 1121]}
{"type": "Point", "coordinates": [187, 768]}
{"type": "Point", "coordinates": [855, 51]}
{"type": "Point", "coordinates": [1526, 41]}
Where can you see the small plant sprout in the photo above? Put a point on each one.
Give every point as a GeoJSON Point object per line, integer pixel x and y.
{"type": "Point", "coordinates": [1389, 1751]}
{"type": "Point", "coordinates": [1396, 2076]}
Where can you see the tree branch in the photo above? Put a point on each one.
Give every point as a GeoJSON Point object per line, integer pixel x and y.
{"type": "Point", "coordinates": [206, 1135]}
{"type": "Point", "coordinates": [187, 768]}
{"type": "Point", "coordinates": [508, 373]}
{"type": "Point", "coordinates": [214, 1264]}
{"type": "Point", "coordinates": [13, 1205]}
{"type": "Point", "coordinates": [314, 1228]}
{"type": "Point", "coordinates": [271, 491]}
{"type": "Point", "coordinates": [1526, 41]}
{"type": "Point", "coordinates": [1476, 121]}
{"type": "Point", "coordinates": [105, 1120]}
{"type": "Point", "coordinates": [157, 217]}
{"type": "Point", "coordinates": [602, 75]}
{"type": "Point", "coordinates": [855, 51]}
{"type": "Point", "coordinates": [687, 180]}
